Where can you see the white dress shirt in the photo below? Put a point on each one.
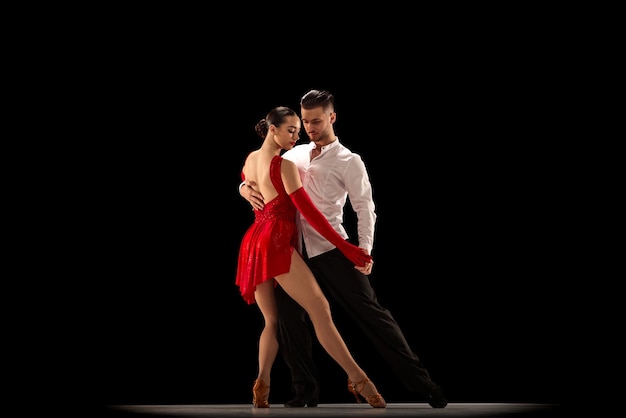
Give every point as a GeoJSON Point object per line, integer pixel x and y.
{"type": "Point", "coordinates": [331, 177]}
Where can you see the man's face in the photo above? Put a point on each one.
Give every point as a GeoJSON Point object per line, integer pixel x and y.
{"type": "Point", "coordinates": [318, 123]}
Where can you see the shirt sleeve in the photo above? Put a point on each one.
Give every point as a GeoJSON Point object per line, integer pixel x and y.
{"type": "Point", "coordinates": [359, 191]}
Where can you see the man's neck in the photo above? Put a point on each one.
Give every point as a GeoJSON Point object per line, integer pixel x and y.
{"type": "Point", "coordinates": [328, 140]}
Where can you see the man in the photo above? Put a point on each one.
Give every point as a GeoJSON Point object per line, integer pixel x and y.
{"type": "Point", "coordinates": [330, 174]}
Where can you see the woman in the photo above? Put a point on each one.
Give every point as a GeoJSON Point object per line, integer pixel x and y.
{"type": "Point", "coordinates": [267, 256]}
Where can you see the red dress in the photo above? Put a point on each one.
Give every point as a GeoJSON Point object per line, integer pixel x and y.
{"type": "Point", "coordinates": [266, 247]}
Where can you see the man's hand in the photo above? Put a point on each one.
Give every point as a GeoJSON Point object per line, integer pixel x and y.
{"type": "Point", "coordinates": [367, 268]}
{"type": "Point", "coordinates": [252, 196]}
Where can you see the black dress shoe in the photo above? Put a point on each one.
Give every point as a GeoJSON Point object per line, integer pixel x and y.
{"type": "Point", "coordinates": [305, 396]}
{"type": "Point", "coordinates": [436, 398]}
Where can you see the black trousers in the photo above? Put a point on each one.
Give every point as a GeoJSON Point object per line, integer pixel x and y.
{"type": "Point", "coordinates": [345, 285]}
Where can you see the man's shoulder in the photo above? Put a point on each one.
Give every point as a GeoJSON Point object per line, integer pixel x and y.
{"type": "Point", "coordinates": [347, 153]}
{"type": "Point", "coordinates": [341, 148]}
{"type": "Point", "coordinates": [297, 150]}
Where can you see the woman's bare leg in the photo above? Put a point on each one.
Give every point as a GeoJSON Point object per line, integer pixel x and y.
{"type": "Point", "coordinates": [301, 285]}
{"type": "Point", "coordinates": [268, 340]}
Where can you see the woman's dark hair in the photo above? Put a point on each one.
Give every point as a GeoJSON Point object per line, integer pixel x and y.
{"type": "Point", "coordinates": [276, 117]}
{"type": "Point", "coordinates": [316, 98]}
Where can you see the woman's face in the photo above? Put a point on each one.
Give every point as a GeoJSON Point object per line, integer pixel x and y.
{"type": "Point", "coordinates": [287, 134]}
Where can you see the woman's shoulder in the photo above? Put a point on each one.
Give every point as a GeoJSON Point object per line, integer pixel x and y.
{"type": "Point", "coordinates": [288, 168]}
{"type": "Point", "coordinates": [252, 154]}
{"type": "Point", "coordinates": [286, 164]}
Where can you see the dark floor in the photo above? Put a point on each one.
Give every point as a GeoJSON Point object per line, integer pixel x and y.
{"type": "Point", "coordinates": [489, 410]}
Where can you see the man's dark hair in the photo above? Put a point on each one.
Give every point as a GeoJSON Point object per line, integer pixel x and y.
{"type": "Point", "coordinates": [316, 98]}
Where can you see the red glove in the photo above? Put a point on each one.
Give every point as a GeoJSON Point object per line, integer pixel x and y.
{"type": "Point", "coordinates": [303, 203]}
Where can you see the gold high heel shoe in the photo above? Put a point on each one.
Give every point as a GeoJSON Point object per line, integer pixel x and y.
{"type": "Point", "coordinates": [375, 401]}
{"type": "Point", "coordinates": [260, 394]}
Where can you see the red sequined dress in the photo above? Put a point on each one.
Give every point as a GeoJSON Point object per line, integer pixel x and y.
{"type": "Point", "coordinates": [266, 247]}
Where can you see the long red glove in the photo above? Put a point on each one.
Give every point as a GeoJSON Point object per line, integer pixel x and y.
{"type": "Point", "coordinates": [303, 203]}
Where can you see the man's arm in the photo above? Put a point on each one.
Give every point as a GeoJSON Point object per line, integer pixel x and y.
{"type": "Point", "coordinates": [359, 191]}
{"type": "Point", "coordinates": [246, 190]}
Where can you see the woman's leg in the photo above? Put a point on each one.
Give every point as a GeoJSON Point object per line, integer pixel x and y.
{"type": "Point", "coordinates": [301, 285]}
{"type": "Point", "coordinates": [268, 340]}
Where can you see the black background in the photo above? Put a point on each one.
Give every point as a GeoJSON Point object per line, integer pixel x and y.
{"type": "Point", "coordinates": [468, 217]}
